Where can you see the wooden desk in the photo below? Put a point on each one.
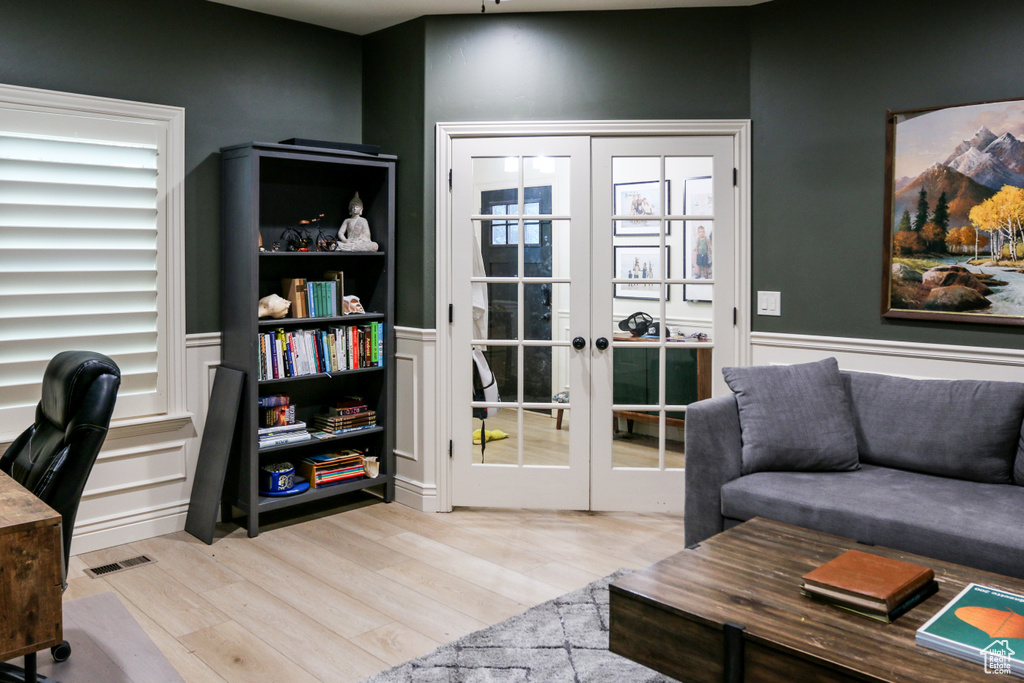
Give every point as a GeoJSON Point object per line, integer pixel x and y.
{"type": "Point", "coordinates": [703, 386]}
{"type": "Point", "coordinates": [30, 573]}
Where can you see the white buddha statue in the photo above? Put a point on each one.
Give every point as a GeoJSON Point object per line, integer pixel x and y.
{"type": "Point", "coordinates": [354, 233]}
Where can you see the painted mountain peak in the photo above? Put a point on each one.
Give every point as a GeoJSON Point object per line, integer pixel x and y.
{"type": "Point", "coordinates": [989, 159]}
{"type": "Point", "coordinates": [962, 193]}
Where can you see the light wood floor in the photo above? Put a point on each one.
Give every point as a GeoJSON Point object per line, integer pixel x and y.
{"type": "Point", "coordinates": [342, 595]}
{"type": "Point", "coordinates": [543, 444]}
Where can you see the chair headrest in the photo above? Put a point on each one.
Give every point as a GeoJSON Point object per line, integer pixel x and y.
{"type": "Point", "coordinates": [67, 380]}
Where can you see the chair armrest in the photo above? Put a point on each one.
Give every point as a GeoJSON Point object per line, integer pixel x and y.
{"type": "Point", "coordinates": [713, 447]}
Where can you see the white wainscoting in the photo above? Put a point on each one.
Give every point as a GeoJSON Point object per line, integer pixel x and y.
{"type": "Point", "coordinates": [907, 359]}
{"type": "Point", "coordinates": [142, 480]}
{"type": "Point", "coordinates": [416, 418]}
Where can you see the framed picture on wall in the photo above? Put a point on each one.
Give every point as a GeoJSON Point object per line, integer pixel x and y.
{"type": "Point", "coordinates": [699, 260]}
{"type": "Point", "coordinates": [638, 264]}
{"type": "Point", "coordinates": [954, 214]}
{"type": "Point", "coordinates": [698, 197]}
{"type": "Point", "coordinates": [641, 200]}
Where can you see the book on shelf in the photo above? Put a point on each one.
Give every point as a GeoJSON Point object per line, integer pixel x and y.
{"type": "Point", "coordinates": [325, 421]}
{"type": "Point", "coordinates": [350, 405]}
{"type": "Point", "coordinates": [294, 289]}
{"type": "Point", "coordinates": [294, 353]}
{"type": "Point", "coordinates": [281, 429]}
{"type": "Point", "coordinates": [870, 609]}
{"type": "Point", "coordinates": [273, 401]}
{"type": "Point", "coordinates": [278, 416]}
{"type": "Point", "coordinates": [332, 468]}
{"type": "Point", "coordinates": [883, 582]}
{"type": "Point", "coordinates": [981, 624]}
{"type": "Point", "coordinates": [283, 439]}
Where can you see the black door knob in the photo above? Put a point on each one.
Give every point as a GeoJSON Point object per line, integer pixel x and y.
{"type": "Point", "coordinates": [578, 343]}
{"type": "Point", "coordinates": [601, 343]}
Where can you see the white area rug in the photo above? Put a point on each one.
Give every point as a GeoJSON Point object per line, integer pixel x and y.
{"type": "Point", "coordinates": [564, 640]}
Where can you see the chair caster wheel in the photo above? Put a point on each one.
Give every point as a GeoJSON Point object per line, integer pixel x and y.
{"type": "Point", "coordinates": [61, 652]}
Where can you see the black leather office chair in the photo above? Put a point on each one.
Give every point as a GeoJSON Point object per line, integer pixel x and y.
{"type": "Point", "coordinates": [53, 457]}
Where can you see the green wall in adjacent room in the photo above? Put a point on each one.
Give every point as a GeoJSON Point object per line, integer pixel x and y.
{"type": "Point", "coordinates": [655, 64]}
{"type": "Point", "coordinates": [240, 76]}
{"type": "Point", "coordinates": [822, 78]}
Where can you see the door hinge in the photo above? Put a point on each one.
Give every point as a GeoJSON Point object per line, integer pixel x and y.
{"type": "Point", "coordinates": [735, 177]}
{"type": "Point", "coordinates": [451, 447]}
{"type": "Point", "coordinates": [449, 180]}
{"type": "Point", "coordinates": [735, 315]}
{"type": "Point", "coordinates": [451, 313]}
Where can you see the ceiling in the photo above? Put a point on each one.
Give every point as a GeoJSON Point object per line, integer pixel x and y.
{"type": "Point", "coordinates": [366, 16]}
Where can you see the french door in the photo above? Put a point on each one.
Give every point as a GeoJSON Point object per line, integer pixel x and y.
{"type": "Point", "coordinates": [520, 271]}
{"type": "Point", "coordinates": [592, 294]}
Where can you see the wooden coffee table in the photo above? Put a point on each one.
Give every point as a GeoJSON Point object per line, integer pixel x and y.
{"type": "Point", "coordinates": [731, 610]}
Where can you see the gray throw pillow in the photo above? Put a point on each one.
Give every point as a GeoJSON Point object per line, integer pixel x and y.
{"type": "Point", "coordinates": [794, 418]}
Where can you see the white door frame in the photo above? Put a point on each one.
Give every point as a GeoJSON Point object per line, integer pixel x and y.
{"type": "Point", "coordinates": [739, 129]}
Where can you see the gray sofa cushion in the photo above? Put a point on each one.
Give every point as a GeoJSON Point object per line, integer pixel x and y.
{"type": "Point", "coordinates": [948, 519]}
{"type": "Point", "coordinates": [794, 417]}
{"type": "Point", "coordinates": [953, 428]}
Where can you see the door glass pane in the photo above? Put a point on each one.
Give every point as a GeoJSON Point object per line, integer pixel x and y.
{"type": "Point", "coordinates": [689, 185]}
{"type": "Point", "coordinates": [700, 260]}
{"type": "Point", "coordinates": [551, 173]}
{"type": "Point", "coordinates": [546, 311]}
{"type": "Point", "coordinates": [503, 362]}
{"type": "Point", "coordinates": [501, 445]}
{"type": "Point", "coordinates": [496, 253]}
{"type": "Point", "coordinates": [496, 172]}
{"type": "Point", "coordinates": [502, 311]}
{"type": "Point", "coordinates": [544, 441]}
{"type": "Point", "coordinates": [635, 438]}
{"type": "Point", "coordinates": [546, 250]}
{"type": "Point", "coordinates": [537, 364]}
{"type": "Point", "coordinates": [637, 191]}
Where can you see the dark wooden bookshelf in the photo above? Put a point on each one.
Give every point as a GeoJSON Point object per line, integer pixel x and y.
{"type": "Point", "coordinates": [267, 188]}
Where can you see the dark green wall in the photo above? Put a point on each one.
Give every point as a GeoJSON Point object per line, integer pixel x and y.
{"type": "Point", "coordinates": [393, 95]}
{"type": "Point", "coordinates": [239, 75]}
{"type": "Point", "coordinates": [682, 64]}
{"type": "Point", "coordinates": [822, 78]}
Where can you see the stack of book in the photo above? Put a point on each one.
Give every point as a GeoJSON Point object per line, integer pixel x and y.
{"type": "Point", "coordinates": [332, 468]}
{"type": "Point", "coordinates": [978, 625]}
{"type": "Point", "coordinates": [351, 415]}
{"type": "Point", "coordinates": [870, 585]}
{"type": "Point", "coordinates": [278, 425]}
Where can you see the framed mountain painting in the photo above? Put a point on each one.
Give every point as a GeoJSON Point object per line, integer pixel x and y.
{"type": "Point", "coordinates": [954, 209]}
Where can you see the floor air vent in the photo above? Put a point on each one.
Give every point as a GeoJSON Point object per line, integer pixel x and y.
{"type": "Point", "coordinates": [114, 567]}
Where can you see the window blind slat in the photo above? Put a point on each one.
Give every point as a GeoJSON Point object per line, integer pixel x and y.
{"type": "Point", "coordinates": [77, 303]}
{"type": "Point", "coordinates": [62, 194]}
{"type": "Point", "coordinates": [20, 237]}
{"type": "Point", "coordinates": [76, 174]}
{"type": "Point", "coordinates": [76, 260]}
{"type": "Point", "coordinates": [63, 150]}
{"type": "Point", "coordinates": [22, 350]}
{"type": "Point", "coordinates": [71, 326]}
{"type": "Point", "coordinates": [76, 216]}
{"type": "Point", "coordinates": [93, 282]}
{"type": "Point", "coordinates": [31, 372]}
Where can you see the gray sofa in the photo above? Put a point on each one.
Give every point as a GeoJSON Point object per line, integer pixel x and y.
{"type": "Point", "coordinates": [937, 466]}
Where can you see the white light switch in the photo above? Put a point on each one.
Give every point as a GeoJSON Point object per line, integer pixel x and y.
{"type": "Point", "coordinates": [769, 303]}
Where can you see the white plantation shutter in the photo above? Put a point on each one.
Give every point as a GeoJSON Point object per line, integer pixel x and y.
{"type": "Point", "coordinates": [84, 258]}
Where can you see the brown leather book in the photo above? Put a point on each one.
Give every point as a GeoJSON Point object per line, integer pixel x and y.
{"type": "Point", "coordinates": [882, 580]}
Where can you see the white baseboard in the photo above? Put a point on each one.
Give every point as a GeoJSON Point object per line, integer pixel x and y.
{"type": "Point", "coordinates": [415, 494]}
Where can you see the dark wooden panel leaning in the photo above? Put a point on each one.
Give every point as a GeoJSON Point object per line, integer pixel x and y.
{"type": "Point", "coordinates": [212, 464]}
